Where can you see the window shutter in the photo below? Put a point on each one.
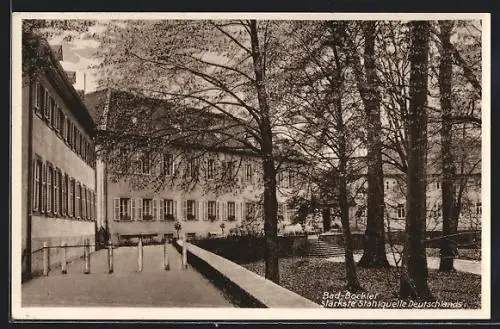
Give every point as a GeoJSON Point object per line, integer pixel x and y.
{"type": "Point", "coordinates": [217, 212]}
{"type": "Point", "coordinates": [155, 209]}
{"type": "Point", "coordinates": [224, 211]}
{"type": "Point", "coordinates": [236, 210]}
{"type": "Point", "coordinates": [161, 215]}
{"type": "Point", "coordinates": [44, 188]}
{"type": "Point", "coordinates": [198, 204]}
{"type": "Point", "coordinates": [133, 214]}
{"type": "Point", "coordinates": [205, 210]}
{"type": "Point", "coordinates": [184, 210]}
{"type": "Point", "coordinates": [174, 211]}
{"type": "Point", "coordinates": [285, 215]}
{"type": "Point", "coordinates": [116, 202]}
{"type": "Point", "coordinates": [242, 204]}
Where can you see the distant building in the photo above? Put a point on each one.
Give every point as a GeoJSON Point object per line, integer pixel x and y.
{"type": "Point", "coordinates": [133, 205]}
{"type": "Point", "coordinates": [58, 162]}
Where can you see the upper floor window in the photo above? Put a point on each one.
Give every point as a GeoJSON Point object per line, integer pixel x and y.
{"type": "Point", "coordinates": [479, 209]}
{"type": "Point", "coordinates": [437, 185]}
{"type": "Point", "coordinates": [46, 105]}
{"type": "Point", "coordinates": [401, 211]}
{"type": "Point", "coordinates": [229, 169]}
{"type": "Point", "coordinates": [210, 169]}
{"type": "Point", "coordinates": [387, 185]}
{"type": "Point", "coordinates": [248, 172]}
{"type": "Point", "coordinates": [39, 97]}
{"type": "Point", "coordinates": [168, 164]}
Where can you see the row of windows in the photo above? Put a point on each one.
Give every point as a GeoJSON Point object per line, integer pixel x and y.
{"type": "Point", "coordinates": [49, 111]}
{"type": "Point", "coordinates": [166, 209]}
{"type": "Point", "coordinates": [435, 210]}
{"type": "Point", "coordinates": [57, 194]}
{"type": "Point", "coordinates": [143, 165]}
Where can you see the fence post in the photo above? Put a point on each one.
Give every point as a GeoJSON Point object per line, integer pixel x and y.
{"type": "Point", "coordinates": [63, 258]}
{"type": "Point", "coordinates": [87, 256]}
{"type": "Point", "coordinates": [165, 253]}
{"type": "Point", "coordinates": [139, 255]}
{"type": "Point", "coordinates": [45, 258]}
{"type": "Point", "coordinates": [184, 251]}
{"type": "Point", "coordinates": [110, 257]}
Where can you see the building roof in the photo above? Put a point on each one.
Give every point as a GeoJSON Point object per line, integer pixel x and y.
{"type": "Point", "coordinates": [50, 66]}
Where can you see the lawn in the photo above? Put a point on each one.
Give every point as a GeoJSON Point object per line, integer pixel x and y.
{"type": "Point", "coordinates": [312, 277]}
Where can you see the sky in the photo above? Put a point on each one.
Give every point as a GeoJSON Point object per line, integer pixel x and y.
{"type": "Point", "coordinates": [79, 55]}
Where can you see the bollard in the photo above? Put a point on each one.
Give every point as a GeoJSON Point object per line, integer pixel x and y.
{"type": "Point", "coordinates": [184, 251]}
{"type": "Point", "coordinates": [165, 253]}
{"type": "Point", "coordinates": [110, 257]}
{"type": "Point", "coordinates": [63, 258]}
{"type": "Point", "coordinates": [86, 252]}
{"type": "Point", "coordinates": [45, 258]}
{"type": "Point", "coordinates": [139, 255]}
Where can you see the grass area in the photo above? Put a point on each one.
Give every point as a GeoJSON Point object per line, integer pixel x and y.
{"type": "Point", "coordinates": [312, 277]}
{"type": "Point", "coordinates": [469, 254]}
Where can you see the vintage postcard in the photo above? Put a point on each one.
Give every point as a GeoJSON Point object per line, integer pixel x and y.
{"type": "Point", "coordinates": [207, 166]}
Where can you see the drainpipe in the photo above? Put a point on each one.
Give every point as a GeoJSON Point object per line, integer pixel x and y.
{"type": "Point", "coordinates": [30, 178]}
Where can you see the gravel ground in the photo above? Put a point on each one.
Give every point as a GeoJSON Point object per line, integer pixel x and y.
{"type": "Point", "coordinates": [312, 277]}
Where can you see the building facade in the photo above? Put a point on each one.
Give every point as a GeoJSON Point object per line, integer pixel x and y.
{"type": "Point", "coordinates": [207, 193]}
{"type": "Point", "coordinates": [59, 164]}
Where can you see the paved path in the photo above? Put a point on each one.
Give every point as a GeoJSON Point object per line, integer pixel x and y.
{"type": "Point", "coordinates": [153, 286]}
{"type": "Point", "coordinates": [462, 265]}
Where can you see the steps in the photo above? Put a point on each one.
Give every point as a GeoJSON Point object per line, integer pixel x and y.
{"type": "Point", "coordinates": [319, 248]}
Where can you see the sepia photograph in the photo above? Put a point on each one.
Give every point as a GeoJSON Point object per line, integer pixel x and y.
{"type": "Point", "coordinates": [250, 166]}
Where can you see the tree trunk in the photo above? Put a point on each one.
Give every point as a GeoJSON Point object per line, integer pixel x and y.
{"type": "Point", "coordinates": [414, 275]}
{"type": "Point", "coordinates": [374, 254]}
{"type": "Point", "coordinates": [327, 219]}
{"type": "Point", "coordinates": [448, 246]}
{"type": "Point", "coordinates": [269, 170]}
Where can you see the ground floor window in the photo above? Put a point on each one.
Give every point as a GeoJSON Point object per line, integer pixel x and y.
{"type": "Point", "coordinates": [167, 211]}
{"type": "Point", "coordinates": [211, 210]}
{"type": "Point", "coordinates": [37, 185]}
{"type": "Point", "coordinates": [147, 206]}
{"type": "Point", "coordinates": [231, 210]}
{"type": "Point", "coordinates": [122, 209]}
{"type": "Point", "coordinates": [190, 209]}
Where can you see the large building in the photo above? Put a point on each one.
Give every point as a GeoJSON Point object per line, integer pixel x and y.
{"type": "Point", "coordinates": [58, 163]}
{"type": "Point", "coordinates": [198, 189]}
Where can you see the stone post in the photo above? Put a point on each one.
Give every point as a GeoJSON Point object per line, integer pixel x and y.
{"type": "Point", "coordinates": [63, 258]}
{"type": "Point", "coordinates": [184, 251]}
{"type": "Point", "coordinates": [165, 256]}
{"type": "Point", "coordinates": [45, 252]}
{"type": "Point", "coordinates": [139, 255]}
{"type": "Point", "coordinates": [86, 251]}
{"type": "Point", "coordinates": [110, 257]}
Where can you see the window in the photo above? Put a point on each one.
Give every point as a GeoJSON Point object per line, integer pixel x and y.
{"type": "Point", "coordinates": [437, 184]}
{"type": "Point", "coordinates": [249, 210]}
{"type": "Point", "coordinates": [123, 211]}
{"type": "Point", "coordinates": [168, 209]}
{"type": "Point", "coordinates": [38, 99]}
{"type": "Point", "coordinates": [190, 209]}
{"type": "Point", "coordinates": [401, 211]}
{"type": "Point", "coordinates": [37, 185]}
{"type": "Point", "coordinates": [479, 209]}
{"type": "Point", "coordinates": [46, 105]}
{"type": "Point", "coordinates": [192, 168]}
{"type": "Point", "coordinates": [53, 113]}
{"type": "Point", "coordinates": [71, 198]}
{"type": "Point", "coordinates": [231, 211]}
{"type": "Point", "coordinates": [64, 197]}
{"type": "Point", "coordinates": [50, 189]}
{"type": "Point", "coordinates": [211, 210]}
{"type": "Point", "coordinates": [291, 178]}
{"type": "Point", "coordinates": [386, 185]}
{"type": "Point", "coordinates": [248, 173]}
{"type": "Point", "coordinates": [75, 138]}
{"type": "Point", "coordinates": [210, 169]}
{"type": "Point", "coordinates": [57, 189]}
{"type": "Point", "coordinates": [229, 169]}
{"type": "Point", "coordinates": [168, 164]}
{"type": "Point", "coordinates": [78, 200]}
{"type": "Point", "coordinates": [147, 208]}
